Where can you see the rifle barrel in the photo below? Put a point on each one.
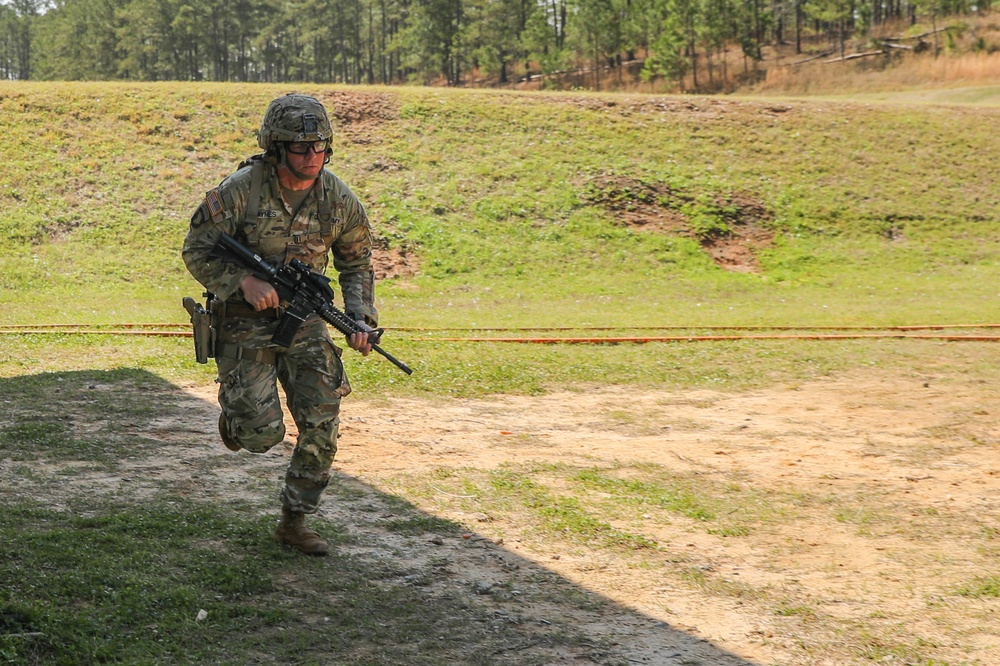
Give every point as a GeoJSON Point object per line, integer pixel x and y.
{"type": "Point", "coordinates": [392, 359]}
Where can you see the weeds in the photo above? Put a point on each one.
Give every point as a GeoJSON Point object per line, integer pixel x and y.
{"type": "Point", "coordinates": [987, 586]}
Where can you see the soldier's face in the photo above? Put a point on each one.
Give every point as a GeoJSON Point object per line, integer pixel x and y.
{"type": "Point", "coordinates": [305, 166]}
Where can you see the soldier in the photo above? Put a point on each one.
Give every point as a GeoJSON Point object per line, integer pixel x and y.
{"type": "Point", "coordinates": [284, 204]}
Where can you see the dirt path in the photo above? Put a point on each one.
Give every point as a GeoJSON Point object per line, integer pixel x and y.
{"type": "Point", "coordinates": [903, 476]}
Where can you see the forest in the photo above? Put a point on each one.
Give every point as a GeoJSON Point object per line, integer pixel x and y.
{"type": "Point", "coordinates": [587, 44]}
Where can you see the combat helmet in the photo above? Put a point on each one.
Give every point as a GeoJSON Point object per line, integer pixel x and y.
{"type": "Point", "coordinates": [294, 117]}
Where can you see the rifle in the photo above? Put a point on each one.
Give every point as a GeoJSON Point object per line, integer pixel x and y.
{"type": "Point", "coordinates": [302, 292]}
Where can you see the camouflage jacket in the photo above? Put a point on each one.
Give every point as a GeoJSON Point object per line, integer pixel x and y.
{"type": "Point", "coordinates": [330, 220]}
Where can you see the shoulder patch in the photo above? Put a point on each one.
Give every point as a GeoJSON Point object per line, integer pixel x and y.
{"type": "Point", "coordinates": [200, 217]}
{"type": "Point", "coordinates": [215, 208]}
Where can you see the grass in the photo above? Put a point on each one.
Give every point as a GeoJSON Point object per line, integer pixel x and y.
{"type": "Point", "coordinates": [965, 69]}
{"type": "Point", "coordinates": [882, 213]}
{"type": "Point", "coordinates": [603, 508]}
{"type": "Point", "coordinates": [127, 585]}
{"type": "Point", "coordinates": [514, 227]}
{"type": "Point", "coordinates": [986, 586]}
{"type": "Point", "coordinates": [868, 230]}
{"type": "Point", "coordinates": [133, 575]}
{"type": "Point", "coordinates": [177, 570]}
{"type": "Point", "coordinates": [968, 78]}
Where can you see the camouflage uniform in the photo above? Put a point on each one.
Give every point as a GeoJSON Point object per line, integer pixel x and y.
{"type": "Point", "coordinates": [329, 220]}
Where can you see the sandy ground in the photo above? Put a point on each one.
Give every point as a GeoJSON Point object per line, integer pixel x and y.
{"type": "Point", "coordinates": [920, 459]}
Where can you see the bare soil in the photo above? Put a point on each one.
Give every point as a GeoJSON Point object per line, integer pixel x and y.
{"type": "Point", "coordinates": [900, 480]}
{"type": "Point", "coordinates": [655, 207]}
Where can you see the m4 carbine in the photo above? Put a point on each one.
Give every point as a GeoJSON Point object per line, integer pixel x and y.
{"type": "Point", "coordinates": [302, 291]}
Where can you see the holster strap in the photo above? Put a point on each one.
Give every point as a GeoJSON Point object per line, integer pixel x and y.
{"type": "Point", "coordinates": [238, 353]}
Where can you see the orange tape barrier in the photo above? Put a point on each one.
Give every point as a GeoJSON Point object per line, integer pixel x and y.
{"type": "Point", "coordinates": [901, 332]}
{"type": "Point", "coordinates": [36, 328]}
{"type": "Point", "coordinates": [704, 338]}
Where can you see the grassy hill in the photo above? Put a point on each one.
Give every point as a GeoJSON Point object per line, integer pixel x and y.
{"type": "Point", "coordinates": [521, 209]}
{"type": "Point", "coordinates": [632, 520]}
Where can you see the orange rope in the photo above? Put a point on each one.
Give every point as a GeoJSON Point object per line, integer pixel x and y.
{"type": "Point", "coordinates": [705, 338]}
{"type": "Point", "coordinates": [88, 326]}
{"type": "Point", "coordinates": [90, 331]}
{"type": "Point", "coordinates": [930, 327]}
{"type": "Point", "coordinates": [67, 329]}
{"type": "Point", "coordinates": [43, 328]}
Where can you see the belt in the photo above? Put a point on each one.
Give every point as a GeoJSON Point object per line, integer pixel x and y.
{"type": "Point", "coordinates": [244, 310]}
{"type": "Point", "coordinates": [238, 353]}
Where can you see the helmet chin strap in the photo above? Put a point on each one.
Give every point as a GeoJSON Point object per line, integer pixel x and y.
{"type": "Point", "coordinates": [299, 174]}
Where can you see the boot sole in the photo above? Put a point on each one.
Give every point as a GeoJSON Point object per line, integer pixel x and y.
{"type": "Point", "coordinates": [224, 434]}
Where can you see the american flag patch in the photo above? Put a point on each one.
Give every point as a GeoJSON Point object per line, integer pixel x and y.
{"type": "Point", "coordinates": [214, 202]}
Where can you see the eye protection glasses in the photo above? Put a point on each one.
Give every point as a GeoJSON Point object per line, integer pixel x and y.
{"type": "Point", "coordinates": [303, 147]}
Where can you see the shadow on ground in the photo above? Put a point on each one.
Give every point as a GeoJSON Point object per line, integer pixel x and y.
{"type": "Point", "coordinates": [129, 535]}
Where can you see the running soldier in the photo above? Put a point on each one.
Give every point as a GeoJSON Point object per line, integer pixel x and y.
{"type": "Point", "coordinates": [283, 204]}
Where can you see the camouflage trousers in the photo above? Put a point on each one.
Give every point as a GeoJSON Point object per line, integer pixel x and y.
{"type": "Point", "coordinates": [313, 379]}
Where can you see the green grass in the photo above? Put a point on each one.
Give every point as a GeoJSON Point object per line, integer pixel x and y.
{"type": "Point", "coordinates": [883, 213]}
{"type": "Point", "coordinates": [456, 369]}
{"type": "Point", "coordinates": [514, 220]}
{"type": "Point", "coordinates": [986, 95]}
{"type": "Point", "coordinates": [609, 509]}
{"type": "Point", "coordinates": [985, 586]}
{"type": "Point", "coordinates": [120, 572]}
{"type": "Point", "coordinates": [126, 584]}
{"type": "Point", "coordinates": [118, 585]}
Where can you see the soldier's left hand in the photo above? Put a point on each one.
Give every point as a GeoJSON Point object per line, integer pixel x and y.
{"type": "Point", "coordinates": [359, 342]}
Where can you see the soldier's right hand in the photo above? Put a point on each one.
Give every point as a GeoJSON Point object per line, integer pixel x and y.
{"type": "Point", "coordinates": [259, 293]}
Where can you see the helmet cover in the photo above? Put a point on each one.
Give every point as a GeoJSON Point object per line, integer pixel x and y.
{"type": "Point", "coordinates": [294, 117]}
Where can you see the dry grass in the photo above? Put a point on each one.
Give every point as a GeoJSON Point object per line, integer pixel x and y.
{"type": "Point", "coordinates": [879, 75]}
{"type": "Point", "coordinates": [966, 55]}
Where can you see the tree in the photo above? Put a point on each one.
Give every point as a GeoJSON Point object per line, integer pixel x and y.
{"type": "Point", "coordinates": [595, 32]}
{"type": "Point", "coordinates": [428, 42]}
{"type": "Point", "coordinates": [667, 57]}
{"type": "Point", "coordinates": [751, 29]}
{"type": "Point", "coordinates": [544, 37]}
{"type": "Point", "coordinates": [81, 41]}
{"type": "Point", "coordinates": [718, 30]}
{"type": "Point", "coordinates": [838, 14]}
{"type": "Point", "coordinates": [18, 21]}
{"type": "Point", "coordinates": [491, 34]}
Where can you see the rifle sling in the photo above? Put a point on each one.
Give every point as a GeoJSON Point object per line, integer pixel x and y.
{"type": "Point", "coordinates": [253, 201]}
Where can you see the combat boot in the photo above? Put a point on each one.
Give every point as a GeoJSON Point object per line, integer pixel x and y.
{"type": "Point", "coordinates": [292, 531]}
{"type": "Point", "coordinates": [227, 439]}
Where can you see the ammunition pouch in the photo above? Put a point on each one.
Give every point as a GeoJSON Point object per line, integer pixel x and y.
{"type": "Point", "coordinates": [204, 332]}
